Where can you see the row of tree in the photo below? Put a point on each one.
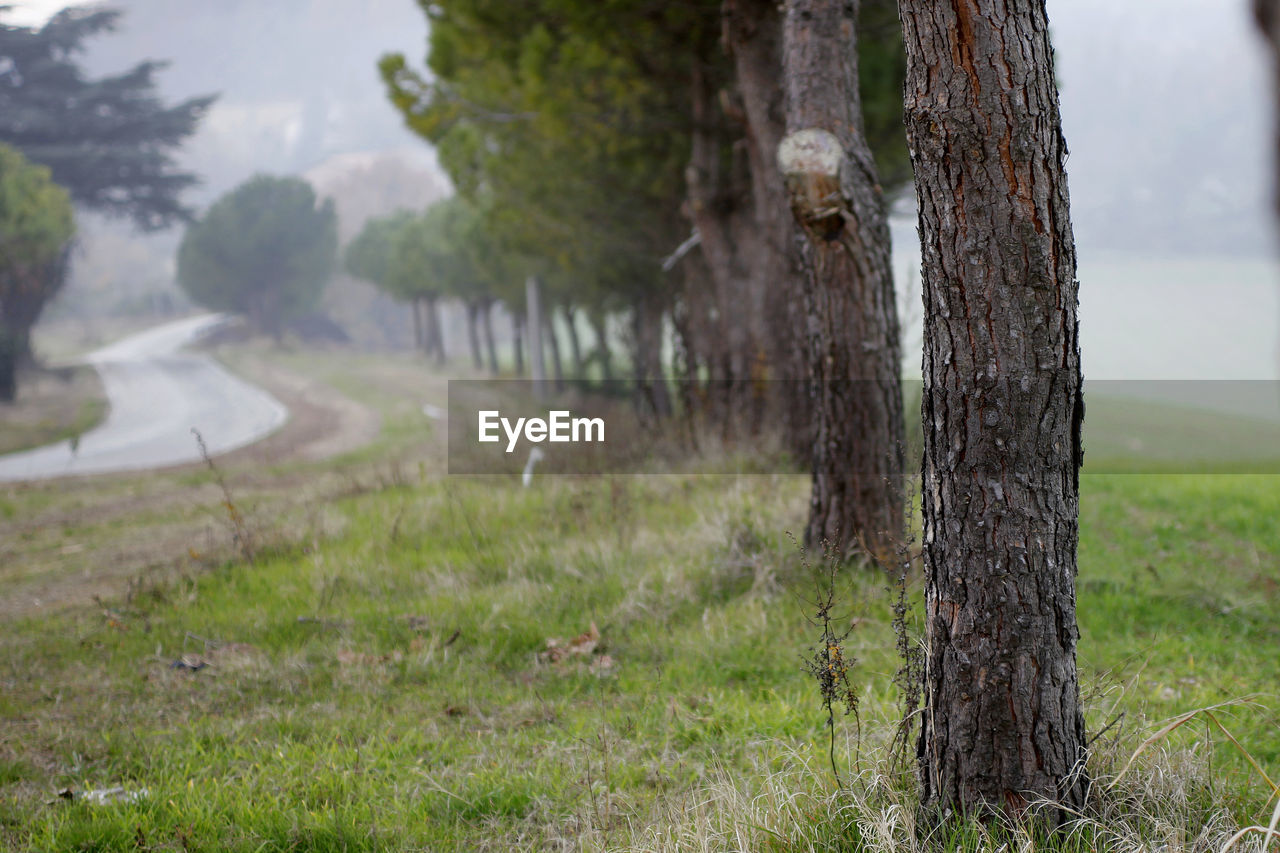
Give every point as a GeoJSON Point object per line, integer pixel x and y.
{"type": "Point", "coordinates": [626, 154]}
{"type": "Point", "coordinates": [579, 129]}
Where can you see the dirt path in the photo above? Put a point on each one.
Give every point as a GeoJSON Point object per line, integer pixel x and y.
{"type": "Point", "coordinates": [323, 422]}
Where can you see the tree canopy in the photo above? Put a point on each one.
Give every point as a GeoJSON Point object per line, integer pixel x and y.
{"type": "Point", "coordinates": [264, 250]}
{"type": "Point", "coordinates": [109, 141]}
{"type": "Point", "coordinates": [36, 227]}
{"type": "Point", "coordinates": [594, 136]}
{"type": "Point", "coordinates": [369, 255]}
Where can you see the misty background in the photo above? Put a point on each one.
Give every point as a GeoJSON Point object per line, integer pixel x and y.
{"type": "Point", "coordinates": [1164, 111]}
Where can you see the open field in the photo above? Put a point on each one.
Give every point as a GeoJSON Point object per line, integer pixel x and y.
{"type": "Point", "coordinates": [361, 653]}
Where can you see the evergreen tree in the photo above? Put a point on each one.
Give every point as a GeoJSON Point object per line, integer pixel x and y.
{"type": "Point", "coordinates": [36, 226]}
{"type": "Point", "coordinates": [264, 250]}
{"type": "Point", "coordinates": [109, 141]}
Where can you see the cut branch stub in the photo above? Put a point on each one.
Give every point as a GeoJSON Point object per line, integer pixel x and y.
{"type": "Point", "coordinates": [810, 161]}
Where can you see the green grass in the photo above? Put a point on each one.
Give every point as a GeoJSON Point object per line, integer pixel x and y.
{"type": "Point", "coordinates": [389, 693]}
{"type": "Point", "coordinates": [379, 678]}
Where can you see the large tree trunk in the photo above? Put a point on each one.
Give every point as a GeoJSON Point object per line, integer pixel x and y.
{"type": "Point", "coordinates": [1002, 408]}
{"type": "Point", "coordinates": [753, 39]}
{"type": "Point", "coordinates": [26, 292]}
{"type": "Point", "coordinates": [854, 361]}
{"type": "Point", "coordinates": [473, 334]}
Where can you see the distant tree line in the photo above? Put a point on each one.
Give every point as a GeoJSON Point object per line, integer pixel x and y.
{"type": "Point", "coordinates": [590, 137]}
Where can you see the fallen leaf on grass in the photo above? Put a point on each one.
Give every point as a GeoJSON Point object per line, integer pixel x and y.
{"type": "Point", "coordinates": [583, 644]}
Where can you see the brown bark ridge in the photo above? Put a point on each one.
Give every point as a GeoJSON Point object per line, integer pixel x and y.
{"type": "Point", "coordinates": [1002, 409]}
{"type": "Point", "coordinates": [852, 322]}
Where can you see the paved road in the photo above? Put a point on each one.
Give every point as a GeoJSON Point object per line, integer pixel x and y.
{"type": "Point", "coordinates": [157, 393]}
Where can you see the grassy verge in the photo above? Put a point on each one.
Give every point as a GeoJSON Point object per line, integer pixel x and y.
{"type": "Point", "coordinates": [423, 662]}
{"type": "Point", "coordinates": [52, 406]}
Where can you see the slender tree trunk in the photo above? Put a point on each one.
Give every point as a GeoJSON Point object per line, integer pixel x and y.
{"type": "Point", "coordinates": [9, 347]}
{"type": "Point", "coordinates": [854, 361]}
{"type": "Point", "coordinates": [437, 331]}
{"type": "Point", "coordinates": [534, 327]}
{"type": "Point", "coordinates": [486, 324]}
{"type": "Point", "coordinates": [553, 344]}
{"type": "Point", "coordinates": [1267, 13]}
{"type": "Point", "coordinates": [1002, 408]}
{"type": "Point", "coordinates": [473, 335]}
{"type": "Point", "coordinates": [575, 343]}
{"type": "Point", "coordinates": [651, 384]}
{"type": "Point", "coordinates": [517, 340]}
{"type": "Point", "coordinates": [600, 326]}
{"type": "Point", "coordinates": [417, 324]}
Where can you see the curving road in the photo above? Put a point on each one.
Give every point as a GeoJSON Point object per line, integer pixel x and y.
{"type": "Point", "coordinates": [157, 393]}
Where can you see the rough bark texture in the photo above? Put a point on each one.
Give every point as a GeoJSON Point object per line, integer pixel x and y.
{"type": "Point", "coordinates": [852, 321]}
{"type": "Point", "coordinates": [1002, 408]}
